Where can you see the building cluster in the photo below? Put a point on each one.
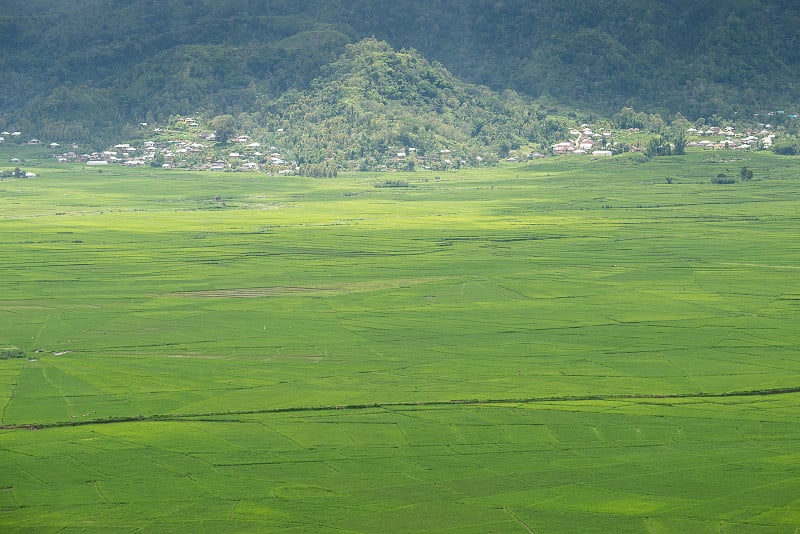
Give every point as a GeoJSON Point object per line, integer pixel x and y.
{"type": "Point", "coordinates": [728, 138]}
{"type": "Point", "coordinates": [188, 146]}
{"type": "Point", "coordinates": [585, 141]}
{"type": "Point", "coordinates": [241, 156]}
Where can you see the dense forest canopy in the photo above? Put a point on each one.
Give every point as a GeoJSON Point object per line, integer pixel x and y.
{"type": "Point", "coordinates": [375, 100]}
{"type": "Point", "coordinates": [79, 69]}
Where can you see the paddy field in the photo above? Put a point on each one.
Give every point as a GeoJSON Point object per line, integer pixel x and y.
{"type": "Point", "coordinates": [561, 346]}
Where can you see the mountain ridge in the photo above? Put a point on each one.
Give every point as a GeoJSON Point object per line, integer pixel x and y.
{"type": "Point", "coordinates": [87, 68]}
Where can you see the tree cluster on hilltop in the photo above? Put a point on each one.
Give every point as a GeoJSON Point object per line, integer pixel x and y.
{"type": "Point", "coordinates": [375, 101]}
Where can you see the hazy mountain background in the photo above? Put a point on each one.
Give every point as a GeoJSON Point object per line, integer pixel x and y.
{"type": "Point", "coordinates": [84, 69]}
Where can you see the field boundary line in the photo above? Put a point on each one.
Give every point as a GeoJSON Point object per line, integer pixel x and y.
{"type": "Point", "coordinates": [13, 393]}
{"type": "Point", "coordinates": [518, 520]}
{"type": "Point", "coordinates": [211, 416]}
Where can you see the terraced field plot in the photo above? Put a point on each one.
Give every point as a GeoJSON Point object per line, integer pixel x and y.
{"type": "Point", "coordinates": [552, 347]}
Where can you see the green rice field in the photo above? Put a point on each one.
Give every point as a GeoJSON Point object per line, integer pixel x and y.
{"type": "Point", "coordinates": [566, 345]}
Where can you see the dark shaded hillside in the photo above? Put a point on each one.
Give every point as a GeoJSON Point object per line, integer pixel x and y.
{"type": "Point", "coordinates": [68, 75]}
{"type": "Point", "coordinates": [699, 58]}
{"type": "Point", "coordinates": [82, 68]}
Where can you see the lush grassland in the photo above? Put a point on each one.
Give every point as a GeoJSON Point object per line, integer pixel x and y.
{"type": "Point", "coordinates": [287, 357]}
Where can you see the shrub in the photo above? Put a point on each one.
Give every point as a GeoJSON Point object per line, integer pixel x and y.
{"type": "Point", "coordinates": [392, 183]}
{"type": "Point", "coordinates": [9, 353]}
{"type": "Point", "coordinates": [723, 178]}
{"type": "Point", "coordinates": [787, 147]}
{"type": "Point", "coordinates": [16, 173]}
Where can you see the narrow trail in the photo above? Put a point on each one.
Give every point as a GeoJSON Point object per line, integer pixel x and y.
{"type": "Point", "coordinates": [409, 404]}
{"type": "Point", "coordinates": [518, 520]}
{"type": "Point", "coordinates": [11, 396]}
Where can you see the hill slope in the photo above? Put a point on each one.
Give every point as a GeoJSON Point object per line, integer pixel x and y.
{"type": "Point", "coordinates": [80, 69]}
{"type": "Point", "coordinates": [374, 101]}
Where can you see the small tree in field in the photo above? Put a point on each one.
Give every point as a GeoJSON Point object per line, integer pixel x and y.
{"type": "Point", "coordinates": [745, 174]}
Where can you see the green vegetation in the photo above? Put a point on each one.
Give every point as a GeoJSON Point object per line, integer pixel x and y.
{"type": "Point", "coordinates": [373, 103]}
{"type": "Point", "coordinates": [722, 178]}
{"type": "Point", "coordinates": [560, 345]}
{"type": "Point", "coordinates": [12, 352]}
{"type": "Point", "coordinates": [392, 183]}
{"type": "Point", "coordinates": [16, 172]}
{"type": "Point", "coordinates": [789, 146]}
{"type": "Point", "coordinates": [68, 77]}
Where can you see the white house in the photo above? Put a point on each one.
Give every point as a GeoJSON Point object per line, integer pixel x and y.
{"type": "Point", "coordinates": [563, 147]}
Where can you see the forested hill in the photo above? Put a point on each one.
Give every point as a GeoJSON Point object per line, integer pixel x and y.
{"type": "Point", "coordinates": [78, 68]}
{"type": "Point", "coordinates": [374, 101]}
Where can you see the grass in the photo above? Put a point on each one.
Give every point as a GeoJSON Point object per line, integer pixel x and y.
{"type": "Point", "coordinates": [561, 345]}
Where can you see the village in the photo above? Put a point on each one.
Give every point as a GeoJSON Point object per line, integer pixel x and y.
{"type": "Point", "coordinates": [187, 146]}
{"type": "Point", "coordinates": [602, 143]}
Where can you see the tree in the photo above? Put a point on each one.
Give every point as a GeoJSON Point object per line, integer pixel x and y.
{"type": "Point", "coordinates": [224, 127]}
{"type": "Point", "coordinates": [658, 146]}
{"type": "Point", "coordinates": [745, 174]}
{"type": "Point", "coordinates": [10, 174]}
{"type": "Point", "coordinates": [158, 159]}
{"type": "Point", "coordinates": [627, 118]}
{"type": "Point", "coordinates": [679, 140]}
{"type": "Point", "coordinates": [789, 146]}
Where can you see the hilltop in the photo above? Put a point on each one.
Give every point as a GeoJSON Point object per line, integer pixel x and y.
{"type": "Point", "coordinates": [375, 101]}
